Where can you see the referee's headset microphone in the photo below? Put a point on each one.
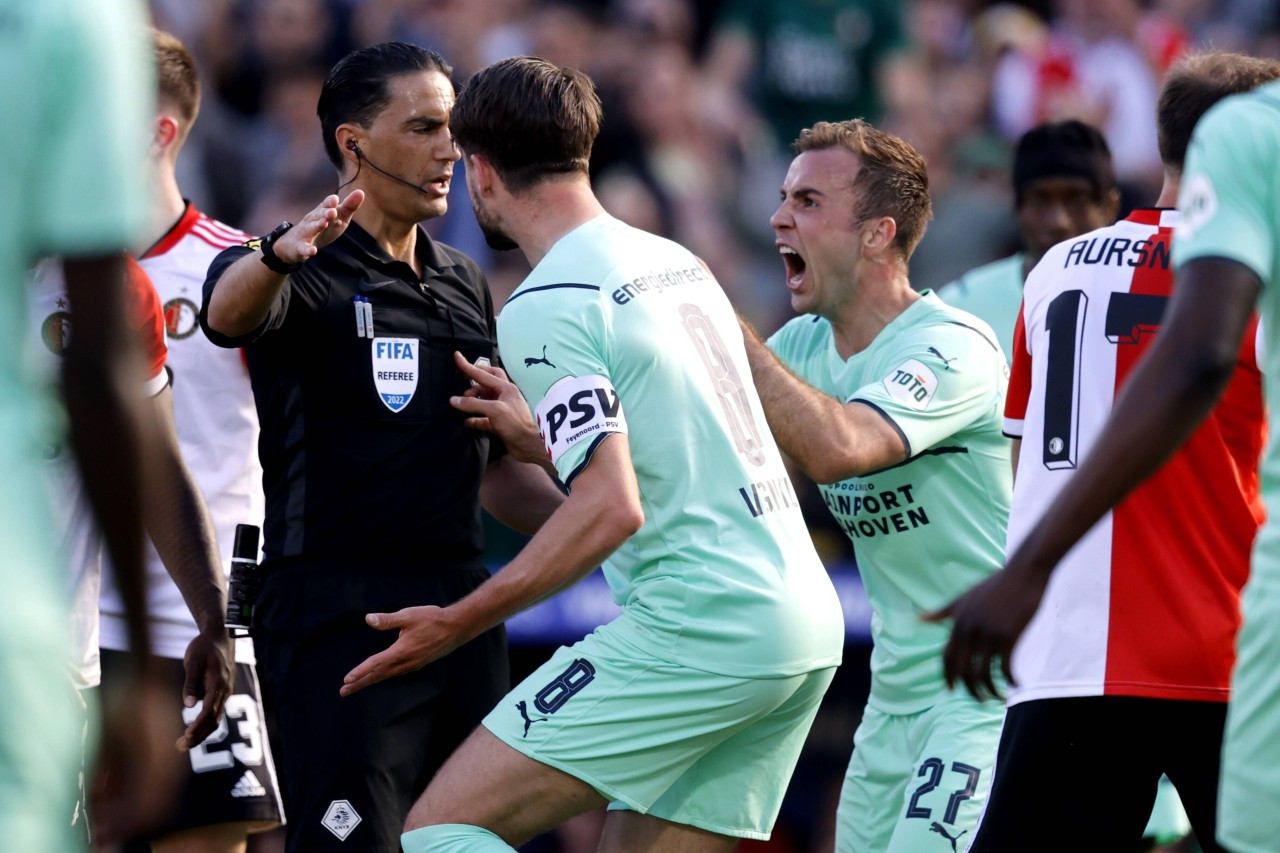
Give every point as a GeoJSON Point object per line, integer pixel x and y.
{"type": "Point", "coordinates": [361, 159]}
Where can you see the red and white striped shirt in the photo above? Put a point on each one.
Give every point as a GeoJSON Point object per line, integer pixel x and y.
{"type": "Point", "coordinates": [80, 543]}
{"type": "Point", "coordinates": [216, 419]}
{"type": "Point", "coordinates": [1147, 603]}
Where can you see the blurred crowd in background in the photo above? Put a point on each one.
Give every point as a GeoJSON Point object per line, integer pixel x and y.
{"type": "Point", "coordinates": [702, 99]}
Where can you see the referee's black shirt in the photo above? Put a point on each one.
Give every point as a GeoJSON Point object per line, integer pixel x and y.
{"type": "Point", "coordinates": [345, 476]}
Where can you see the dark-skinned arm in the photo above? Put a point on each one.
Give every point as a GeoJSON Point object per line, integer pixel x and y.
{"type": "Point", "coordinates": [178, 522]}
{"type": "Point", "coordinates": [102, 371]}
{"type": "Point", "coordinates": [1167, 397]}
{"type": "Point", "coordinates": [101, 374]}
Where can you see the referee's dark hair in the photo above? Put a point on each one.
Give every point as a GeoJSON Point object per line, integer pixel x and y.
{"type": "Point", "coordinates": [356, 89]}
{"type": "Point", "coordinates": [531, 119]}
{"type": "Point", "coordinates": [1197, 82]}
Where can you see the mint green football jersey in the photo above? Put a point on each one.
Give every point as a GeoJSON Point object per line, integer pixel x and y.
{"type": "Point", "coordinates": [1230, 202]}
{"type": "Point", "coordinates": [76, 88]}
{"type": "Point", "coordinates": [76, 81]}
{"type": "Point", "coordinates": [617, 331]}
{"type": "Point", "coordinates": [926, 530]}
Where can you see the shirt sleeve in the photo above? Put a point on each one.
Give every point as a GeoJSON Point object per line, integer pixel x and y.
{"type": "Point", "coordinates": [1015, 406]}
{"type": "Point", "coordinates": [555, 341]}
{"type": "Point", "coordinates": [1228, 210]}
{"type": "Point", "coordinates": [935, 385]}
{"type": "Point", "coordinates": [275, 314]}
{"type": "Point", "coordinates": [148, 324]}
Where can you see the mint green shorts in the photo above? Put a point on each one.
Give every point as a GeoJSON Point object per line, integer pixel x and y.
{"type": "Point", "coordinates": [1169, 822]}
{"type": "Point", "coordinates": [1248, 820]}
{"type": "Point", "coordinates": [711, 751]}
{"type": "Point", "coordinates": [917, 782]}
{"type": "Point", "coordinates": [42, 729]}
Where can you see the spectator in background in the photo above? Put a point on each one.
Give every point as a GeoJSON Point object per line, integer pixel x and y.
{"type": "Point", "coordinates": [287, 166]}
{"type": "Point", "coordinates": [803, 61]}
{"type": "Point", "coordinates": [1064, 185]}
{"type": "Point", "coordinates": [248, 48]}
{"type": "Point", "coordinates": [1092, 67]}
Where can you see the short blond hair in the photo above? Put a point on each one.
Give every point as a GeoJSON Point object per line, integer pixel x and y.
{"type": "Point", "coordinates": [893, 180]}
{"type": "Point", "coordinates": [178, 81]}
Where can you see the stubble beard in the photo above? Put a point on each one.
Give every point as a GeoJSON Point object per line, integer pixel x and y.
{"type": "Point", "coordinates": [494, 237]}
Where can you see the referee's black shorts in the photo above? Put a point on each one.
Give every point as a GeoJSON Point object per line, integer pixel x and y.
{"type": "Point", "coordinates": [1081, 773]}
{"type": "Point", "coordinates": [351, 768]}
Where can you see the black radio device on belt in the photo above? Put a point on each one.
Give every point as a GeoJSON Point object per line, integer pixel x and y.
{"type": "Point", "coordinates": [246, 580]}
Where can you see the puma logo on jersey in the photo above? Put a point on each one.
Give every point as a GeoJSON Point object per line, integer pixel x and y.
{"type": "Point", "coordinates": [530, 362]}
{"type": "Point", "coordinates": [941, 830]}
{"type": "Point", "coordinates": [528, 721]}
{"type": "Point", "coordinates": [946, 362]}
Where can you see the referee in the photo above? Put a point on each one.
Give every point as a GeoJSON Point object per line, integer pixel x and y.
{"type": "Point", "coordinates": [373, 483]}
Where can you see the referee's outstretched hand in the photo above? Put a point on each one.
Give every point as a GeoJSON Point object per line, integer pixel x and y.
{"type": "Point", "coordinates": [988, 620]}
{"type": "Point", "coordinates": [426, 634]}
{"type": "Point", "coordinates": [318, 228]}
{"type": "Point", "coordinates": [497, 406]}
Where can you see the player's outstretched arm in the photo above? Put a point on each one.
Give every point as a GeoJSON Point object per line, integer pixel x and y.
{"type": "Point", "coordinates": [247, 289]}
{"type": "Point", "coordinates": [101, 375]}
{"type": "Point", "coordinates": [179, 524]}
{"type": "Point", "coordinates": [1168, 395]}
{"type": "Point", "coordinates": [830, 441]}
{"type": "Point", "coordinates": [601, 513]}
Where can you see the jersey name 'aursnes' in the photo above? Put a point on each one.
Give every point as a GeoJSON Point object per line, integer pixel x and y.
{"type": "Point", "coordinates": [1146, 604]}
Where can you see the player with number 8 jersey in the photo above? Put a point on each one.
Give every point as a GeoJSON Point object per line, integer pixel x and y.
{"type": "Point", "coordinates": [619, 331]}
{"type": "Point", "coordinates": [687, 712]}
{"type": "Point", "coordinates": [641, 340]}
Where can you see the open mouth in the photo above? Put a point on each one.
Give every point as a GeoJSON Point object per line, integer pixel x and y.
{"type": "Point", "coordinates": [795, 266]}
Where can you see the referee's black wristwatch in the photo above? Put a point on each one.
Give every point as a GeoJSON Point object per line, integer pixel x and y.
{"type": "Point", "coordinates": [269, 257]}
